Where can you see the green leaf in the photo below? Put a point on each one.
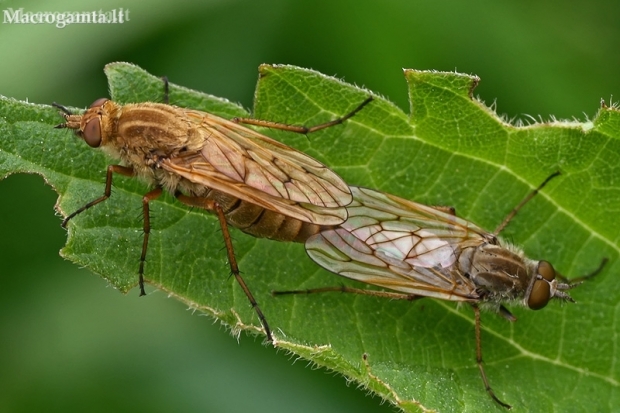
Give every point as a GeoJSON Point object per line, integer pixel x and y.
{"type": "Point", "coordinates": [452, 150]}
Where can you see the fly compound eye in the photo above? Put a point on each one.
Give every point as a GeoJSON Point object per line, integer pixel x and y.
{"type": "Point", "coordinates": [540, 295]}
{"type": "Point", "coordinates": [98, 103]}
{"type": "Point", "coordinates": [545, 270]}
{"type": "Point", "coordinates": [92, 133]}
{"type": "Point", "coordinates": [541, 290]}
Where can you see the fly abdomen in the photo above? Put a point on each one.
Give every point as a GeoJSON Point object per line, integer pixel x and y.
{"type": "Point", "coordinates": [260, 222]}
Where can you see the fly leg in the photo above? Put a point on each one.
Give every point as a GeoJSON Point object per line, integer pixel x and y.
{"type": "Point", "coordinates": [211, 205]}
{"type": "Point", "coordinates": [573, 282]}
{"type": "Point", "coordinates": [146, 227]}
{"type": "Point", "coordinates": [525, 200]}
{"type": "Point", "coordinates": [343, 289]}
{"type": "Point", "coordinates": [485, 381]}
{"type": "Point", "coordinates": [126, 171]}
{"type": "Point", "coordinates": [303, 129]}
{"type": "Point", "coordinates": [283, 126]}
{"type": "Point", "coordinates": [123, 170]}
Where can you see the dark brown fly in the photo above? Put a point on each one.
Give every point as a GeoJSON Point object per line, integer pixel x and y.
{"type": "Point", "coordinates": [421, 251]}
{"type": "Point", "coordinates": [250, 181]}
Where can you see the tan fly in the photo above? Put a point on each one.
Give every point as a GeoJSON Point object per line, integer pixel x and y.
{"type": "Point", "coordinates": [422, 251]}
{"type": "Point", "coordinates": [250, 181]}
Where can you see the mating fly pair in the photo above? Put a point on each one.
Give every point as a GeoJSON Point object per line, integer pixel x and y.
{"type": "Point", "coordinates": [249, 181]}
{"type": "Point", "coordinates": [270, 190]}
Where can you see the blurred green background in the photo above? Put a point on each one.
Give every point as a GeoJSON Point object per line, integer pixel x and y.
{"type": "Point", "coordinates": [69, 343]}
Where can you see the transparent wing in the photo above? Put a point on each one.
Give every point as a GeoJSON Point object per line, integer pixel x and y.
{"type": "Point", "coordinates": [398, 244]}
{"type": "Point", "coordinates": [194, 167]}
{"type": "Point", "coordinates": [249, 166]}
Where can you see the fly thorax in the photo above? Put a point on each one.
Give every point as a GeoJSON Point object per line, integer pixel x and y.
{"type": "Point", "coordinates": [498, 273]}
{"type": "Point", "coordinates": [150, 132]}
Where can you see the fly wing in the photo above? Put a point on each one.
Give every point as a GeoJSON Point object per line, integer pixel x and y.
{"type": "Point", "coordinates": [238, 154]}
{"type": "Point", "coordinates": [196, 169]}
{"type": "Point", "coordinates": [398, 244]}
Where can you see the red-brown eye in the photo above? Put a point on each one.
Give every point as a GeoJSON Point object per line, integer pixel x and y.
{"type": "Point", "coordinates": [540, 295]}
{"type": "Point", "coordinates": [541, 291]}
{"type": "Point", "coordinates": [99, 102]}
{"type": "Point", "coordinates": [92, 133]}
{"type": "Point", "coordinates": [545, 269]}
